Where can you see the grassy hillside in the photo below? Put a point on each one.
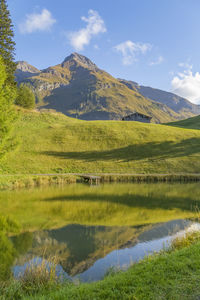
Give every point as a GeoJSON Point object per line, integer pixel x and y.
{"type": "Point", "coordinates": [191, 123]}
{"type": "Point", "coordinates": [52, 142]}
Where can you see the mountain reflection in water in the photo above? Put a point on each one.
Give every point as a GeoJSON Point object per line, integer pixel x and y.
{"type": "Point", "coordinates": [91, 229]}
{"type": "Point", "coordinates": [88, 252]}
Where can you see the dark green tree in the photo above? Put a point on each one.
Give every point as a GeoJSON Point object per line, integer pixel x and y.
{"type": "Point", "coordinates": [25, 97]}
{"type": "Point", "coordinates": [7, 114]}
{"type": "Point", "coordinates": [7, 44]}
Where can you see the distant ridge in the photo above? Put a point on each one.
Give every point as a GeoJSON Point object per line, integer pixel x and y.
{"type": "Point", "coordinates": [175, 102]}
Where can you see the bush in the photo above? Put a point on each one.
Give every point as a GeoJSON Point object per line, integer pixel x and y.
{"type": "Point", "coordinates": [185, 241]}
{"type": "Point", "coordinates": [25, 97]}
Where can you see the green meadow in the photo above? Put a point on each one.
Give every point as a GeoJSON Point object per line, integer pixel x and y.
{"type": "Point", "coordinates": [53, 143]}
{"type": "Point", "coordinates": [191, 123]}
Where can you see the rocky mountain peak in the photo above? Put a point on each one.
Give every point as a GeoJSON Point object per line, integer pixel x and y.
{"type": "Point", "coordinates": [81, 59]}
{"type": "Point", "coordinates": [25, 67]}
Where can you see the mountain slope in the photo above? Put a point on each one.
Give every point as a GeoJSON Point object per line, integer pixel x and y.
{"type": "Point", "coordinates": [178, 104]}
{"type": "Point", "coordinates": [78, 88]}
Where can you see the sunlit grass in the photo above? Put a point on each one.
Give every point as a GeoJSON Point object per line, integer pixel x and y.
{"type": "Point", "coordinates": [191, 123]}
{"type": "Point", "coordinates": [185, 241]}
{"type": "Point", "coordinates": [54, 143]}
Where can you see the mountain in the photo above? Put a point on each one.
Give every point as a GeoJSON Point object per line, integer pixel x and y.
{"type": "Point", "coordinates": [178, 104]}
{"type": "Point", "coordinates": [78, 88]}
{"type": "Point", "coordinates": [78, 247]}
{"type": "Point", "coordinates": [24, 70]}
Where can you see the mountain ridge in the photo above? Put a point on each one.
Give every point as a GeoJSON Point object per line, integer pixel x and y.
{"type": "Point", "coordinates": [172, 100]}
{"type": "Point", "coordinates": [78, 88]}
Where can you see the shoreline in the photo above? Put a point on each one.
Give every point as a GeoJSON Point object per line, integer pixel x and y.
{"type": "Point", "coordinates": [168, 274]}
{"type": "Point", "coordinates": [17, 181]}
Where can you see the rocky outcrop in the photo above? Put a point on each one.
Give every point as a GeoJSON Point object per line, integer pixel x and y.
{"type": "Point", "coordinates": [25, 70]}
{"type": "Point", "coordinates": [25, 67]}
{"type": "Point", "coordinates": [83, 60]}
{"type": "Point", "coordinates": [47, 86]}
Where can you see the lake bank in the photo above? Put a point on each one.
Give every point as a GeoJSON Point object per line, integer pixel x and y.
{"type": "Point", "coordinates": [39, 180]}
{"type": "Point", "coordinates": [172, 275]}
{"type": "Point", "coordinates": [90, 229]}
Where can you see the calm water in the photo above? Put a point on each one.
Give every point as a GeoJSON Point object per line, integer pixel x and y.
{"type": "Point", "coordinates": [92, 229]}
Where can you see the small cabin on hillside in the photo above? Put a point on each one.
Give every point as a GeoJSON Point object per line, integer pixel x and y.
{"type": "Point", "coordinates": [137, 117]}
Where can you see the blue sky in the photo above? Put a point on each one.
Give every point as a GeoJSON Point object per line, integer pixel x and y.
{"type": "Point", "coordinates": [152, 42]}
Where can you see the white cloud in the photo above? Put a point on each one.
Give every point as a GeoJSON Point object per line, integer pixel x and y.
{"type": "Point", "coordinates": [187, 85]}
{"type": "Point", "coordinates": [130, 50]}
{"type": "Point", "coordinates": [37, 22]}
{"type": "Point", "coordinates": [95, 25]}
{"type": "Point", "coordinates": [157, 62]}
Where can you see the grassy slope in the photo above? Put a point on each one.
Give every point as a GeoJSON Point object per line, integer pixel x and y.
{"type": "Point", "coordinates": [173, 276]}
{"type": "Point", "coordinates": [51, 142]}
{"type": "Point", "coordinates": [191, 123]}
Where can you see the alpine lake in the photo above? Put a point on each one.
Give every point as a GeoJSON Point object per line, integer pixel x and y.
{"type": "Point", "coordinates": [92, 229]}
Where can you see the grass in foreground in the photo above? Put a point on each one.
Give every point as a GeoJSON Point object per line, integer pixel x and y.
{"type": "Point", "coordinates": [36, 277]}
{"type": "Point", "coordinates": [172, 275]}
{"type": "Point", "coordinates": [54, 143]}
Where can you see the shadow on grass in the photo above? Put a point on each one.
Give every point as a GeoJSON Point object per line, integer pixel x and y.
{"type": "Point", "coordinates": [150, 150]}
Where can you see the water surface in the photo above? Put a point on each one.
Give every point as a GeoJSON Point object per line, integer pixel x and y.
{"type": "Point", "coordinates": [92, 229]}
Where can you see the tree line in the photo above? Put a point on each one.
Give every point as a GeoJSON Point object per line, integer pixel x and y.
{"type": "Point", "coordinates": [10, 93]}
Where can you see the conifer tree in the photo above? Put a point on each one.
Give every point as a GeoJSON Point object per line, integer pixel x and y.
{"type": "Point", "coordinates": [7, 44]}
{"type": "Point", "coordinates": [7, 114]}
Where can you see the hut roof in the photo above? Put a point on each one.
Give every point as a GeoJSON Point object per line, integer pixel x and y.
{"type": "Point", "coordinates": [137, 113]}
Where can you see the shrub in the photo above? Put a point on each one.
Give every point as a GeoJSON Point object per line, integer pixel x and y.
{"type": "Point", "coordinates": [185, 241]}
{"type": "Point", "coordinates": [25, 97]}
